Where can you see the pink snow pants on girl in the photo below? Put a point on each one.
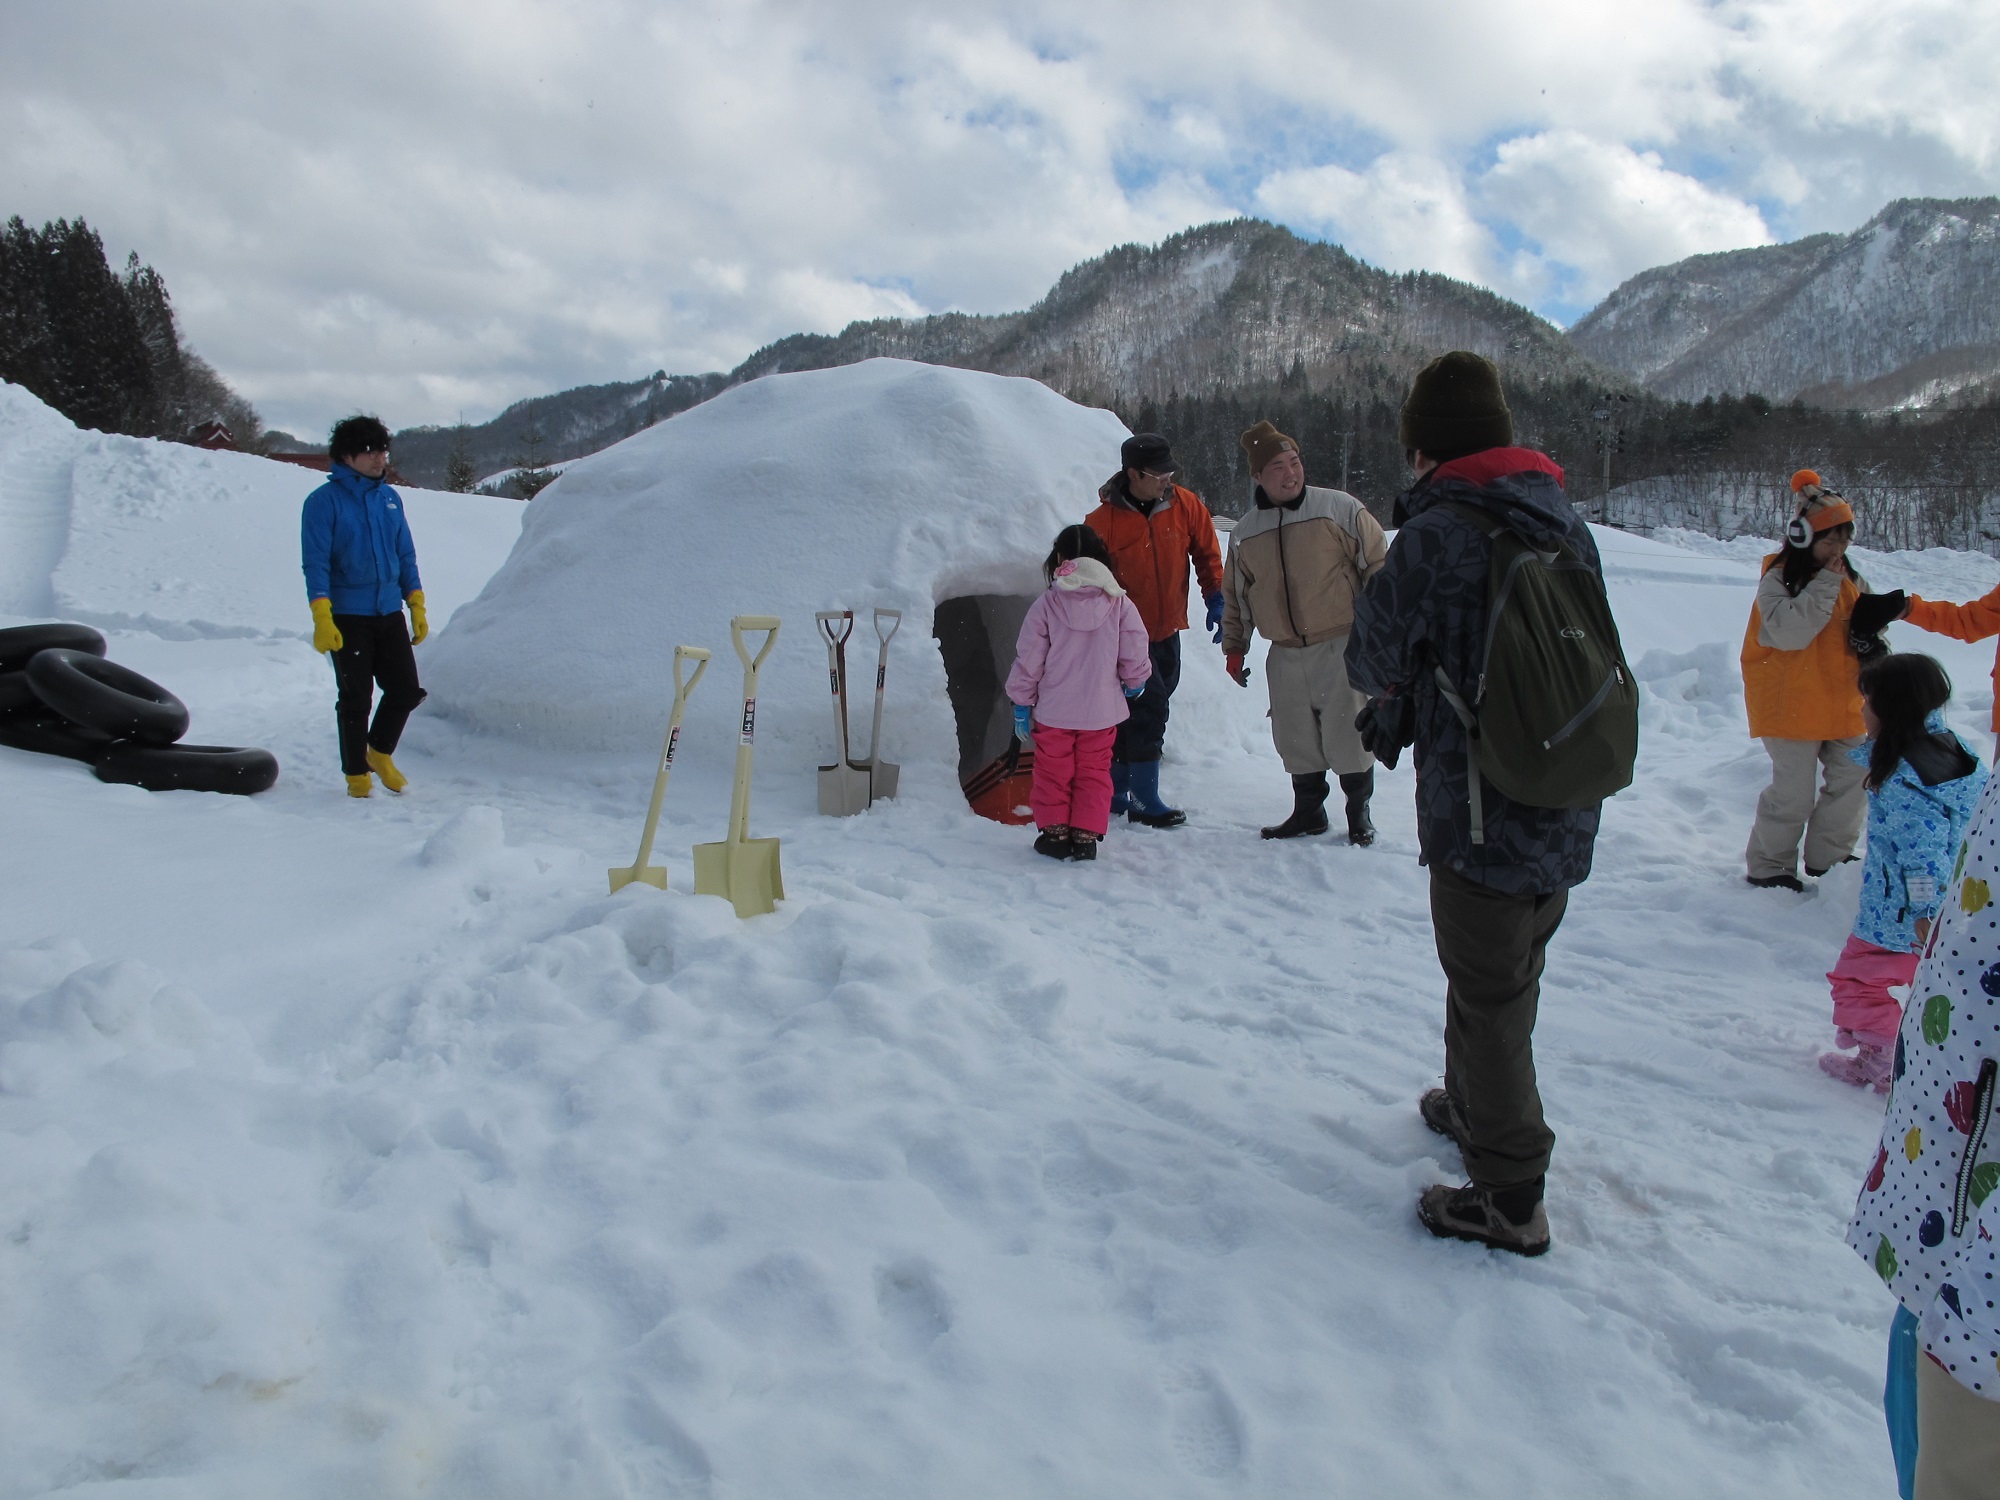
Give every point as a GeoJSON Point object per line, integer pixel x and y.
{"type": "Point", "coordinates": [1072, 782]}
{"type": "Point", "coordinates": [1860, 979]}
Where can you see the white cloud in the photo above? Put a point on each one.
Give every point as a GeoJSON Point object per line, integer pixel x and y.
{"type": "Point", "coordinates": [1403, 213]}
{"type": "Point", "coordinates": [423, 205]}
{"type": "Point", "coordinates": [1599, 211]}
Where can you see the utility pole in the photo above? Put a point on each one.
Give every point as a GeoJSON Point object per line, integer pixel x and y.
{"type": "Point", "coordinates": [1346, 446]}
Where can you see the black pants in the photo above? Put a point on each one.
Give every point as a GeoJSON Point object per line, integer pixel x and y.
{"type": "Point", "coordinates": [1491, 947]}
{"type": "Point", "coordinates": [373, 648]}
{"type": "Point", "coordinates": [1144, 735]}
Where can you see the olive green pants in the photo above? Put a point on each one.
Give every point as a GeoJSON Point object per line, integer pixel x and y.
{"type": "Point", "coordinates": [1492, 947]}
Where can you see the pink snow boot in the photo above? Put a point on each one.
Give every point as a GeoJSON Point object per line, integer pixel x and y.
{"type": "Point", "coordinates": [1870, 1065]}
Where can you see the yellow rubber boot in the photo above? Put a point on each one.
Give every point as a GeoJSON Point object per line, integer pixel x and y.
{"type": "Point", "coordinates": [359, 786]}
{"type": "Point", "coordinates": [384, 767]}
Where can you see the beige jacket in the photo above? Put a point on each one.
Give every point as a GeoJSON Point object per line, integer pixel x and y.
{"type": "Point", "coordinates": [1294, 570]}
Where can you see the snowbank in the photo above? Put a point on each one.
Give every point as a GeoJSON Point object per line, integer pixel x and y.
{"type": "Point", "coordinates": [884, 483]}
{"type": "Point", "coordinates": [127, 532]}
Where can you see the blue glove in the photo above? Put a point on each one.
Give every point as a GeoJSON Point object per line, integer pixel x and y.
{"type": "Point", "coordinates": [1024, 720]}
{"type": "Point", "coordinates": [1214, 602]}
{"type": "Point", "coordinates": [1135, 692]}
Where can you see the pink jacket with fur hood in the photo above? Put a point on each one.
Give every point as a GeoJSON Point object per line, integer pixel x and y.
{"type": "Point", "coordinates": [1081, 646]}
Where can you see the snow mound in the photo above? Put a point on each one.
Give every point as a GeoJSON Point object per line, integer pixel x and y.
{"type": "Point", "coordinates": [884, 483]}
{"type": "Point", "coordinates": [134, 533]}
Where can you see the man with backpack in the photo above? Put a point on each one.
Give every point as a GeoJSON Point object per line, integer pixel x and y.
{"type": "Point", "coordinates": [1519, 731]}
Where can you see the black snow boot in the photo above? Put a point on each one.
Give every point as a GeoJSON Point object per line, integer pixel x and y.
{"type": "Point", "coordinates": [1359, 787]}
{"type": "Point", "coordinates": [1082, 845]}
{"type": "Point", "coordinates": [1054, 842]}
{"type": "Point", "coordinates": [1507, 1219]}
{"type": "Point", "coordinates": [1309, 795]}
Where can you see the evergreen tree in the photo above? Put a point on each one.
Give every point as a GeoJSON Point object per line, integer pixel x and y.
{"type": "Point", "coordinates": [459, 472]}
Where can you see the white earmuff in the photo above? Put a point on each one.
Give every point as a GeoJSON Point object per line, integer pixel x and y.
{"type": "Point", "coordinates": [1799, 533]}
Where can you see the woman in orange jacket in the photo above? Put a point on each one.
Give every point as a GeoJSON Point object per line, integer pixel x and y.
{"type": "Point", "coordinates": [1801, 686]}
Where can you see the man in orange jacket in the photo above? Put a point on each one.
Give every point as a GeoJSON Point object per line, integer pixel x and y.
{"type": "Point", "coordinates": [1154, 529]}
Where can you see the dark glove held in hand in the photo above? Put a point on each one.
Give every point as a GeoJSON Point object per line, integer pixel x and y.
{"type": "Point", "coordinates": [1874, 612]}
{"type": "Point", "coordinates": [1386, 725]}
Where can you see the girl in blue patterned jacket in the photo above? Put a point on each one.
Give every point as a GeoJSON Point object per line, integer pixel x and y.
{"type": "Point", "coordinates": [1922, 786]}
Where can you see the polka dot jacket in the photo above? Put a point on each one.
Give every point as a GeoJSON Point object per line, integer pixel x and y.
{"type": "Point", "coordinates": [1928, 1218]}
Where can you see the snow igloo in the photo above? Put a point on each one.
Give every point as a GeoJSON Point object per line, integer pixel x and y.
{"type": "Point", "coordinates": [916, 487]}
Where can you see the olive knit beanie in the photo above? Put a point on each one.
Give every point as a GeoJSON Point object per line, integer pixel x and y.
{"type": "Point", "coordinates": [1456, 407]}
{"type": "Point", "coordinates": [1263, 443]}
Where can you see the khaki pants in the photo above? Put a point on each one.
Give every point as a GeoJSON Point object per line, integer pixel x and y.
{"type": "Point", "coordinates": [1491, 947]}
{"type": "Point", "coordinates": [1815, 792]}
{"type": "Point", "coordinates": [1313, 709]}
{"type": "Point", "coordinates": [1958, 1438]}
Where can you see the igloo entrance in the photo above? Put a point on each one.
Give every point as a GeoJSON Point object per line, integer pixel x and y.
{"type": "Point", "coordinates": [976, 635]}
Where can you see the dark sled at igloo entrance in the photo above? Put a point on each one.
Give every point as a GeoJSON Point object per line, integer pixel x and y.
{"type": "Point", "coordinates": [975, 635]}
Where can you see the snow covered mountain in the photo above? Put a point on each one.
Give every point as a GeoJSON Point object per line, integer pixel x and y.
{"type": "Point", "coordinates": [1903, 312]}
{"type": "Point", "coordinates": [1243, 303]}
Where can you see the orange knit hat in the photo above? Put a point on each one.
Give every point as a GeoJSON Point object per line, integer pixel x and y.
{"type": "Point", "coordinates": [1820, 508]}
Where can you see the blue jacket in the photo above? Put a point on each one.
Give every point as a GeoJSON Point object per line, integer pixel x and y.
{"type": "Point", "coordinates": [1913, 836]}
{"type": "Point", "coordinates": [1427, 607]}
{"type": "Point", "coordinates": [355, 545]}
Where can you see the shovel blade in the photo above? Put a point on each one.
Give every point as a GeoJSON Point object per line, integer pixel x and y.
{"type": "Point", "coordinates": [745, 874]}
{"type": "Point", "coordinates": [843, 791]}
{"type": "Point", "coordinates": [883, 778]}
{"type": "Point", "coordinates": [653, 875]}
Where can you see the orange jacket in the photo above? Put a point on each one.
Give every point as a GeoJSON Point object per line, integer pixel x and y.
{"type": "Point", "coordinates": [1810, 691]}
{"type": "Point", "coordinates": [1150, 554]}
{"type": "Point", "coordinates": [1963, 622]}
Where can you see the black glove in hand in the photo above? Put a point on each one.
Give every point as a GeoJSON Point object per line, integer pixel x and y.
{"type": "Point", "coordinates": [1386, 725]}
{"type": "Point", "coordinates": [1874, 612]}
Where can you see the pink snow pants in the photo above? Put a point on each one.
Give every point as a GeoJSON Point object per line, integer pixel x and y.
{"type": "Point", "coordinates": [1072, 778]}
{"type": "Point", "coordinates": [1860, 980]}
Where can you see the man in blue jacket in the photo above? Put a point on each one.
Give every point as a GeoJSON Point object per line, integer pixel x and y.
{"type": "Point", "coordinates": [361, 568]}
{"type": "Point", "coordinates": [1497, 901]}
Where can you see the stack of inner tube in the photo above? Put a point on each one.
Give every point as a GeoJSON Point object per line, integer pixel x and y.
{"type": "Point", "coordinates": [60, 696]}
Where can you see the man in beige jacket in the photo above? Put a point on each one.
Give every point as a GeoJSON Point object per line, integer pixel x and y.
{"type": "Point", "coordinates": [1296, 565]}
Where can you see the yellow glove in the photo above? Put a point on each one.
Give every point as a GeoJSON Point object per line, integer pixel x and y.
{"type": "Point", "coordinates": [326, 634]}
{"type": "Point", "coordinates": [420, 623]}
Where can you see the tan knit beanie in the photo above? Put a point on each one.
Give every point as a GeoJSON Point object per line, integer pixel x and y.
{"type": "Point", "coordinates": [1263, 443]}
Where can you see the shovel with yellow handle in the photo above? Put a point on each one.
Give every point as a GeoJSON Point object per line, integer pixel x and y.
{"type": "Point", "coordinates": [741, 869]}
{"type": "Point", "coordinates": [656, 875]}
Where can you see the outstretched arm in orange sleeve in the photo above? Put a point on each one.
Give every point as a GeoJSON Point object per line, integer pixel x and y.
{"type": "Point", "coordinates": [1962, 622]}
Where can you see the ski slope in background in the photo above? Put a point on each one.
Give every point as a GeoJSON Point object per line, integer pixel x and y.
{"type": "Point", "coordinates": [370, 1148]}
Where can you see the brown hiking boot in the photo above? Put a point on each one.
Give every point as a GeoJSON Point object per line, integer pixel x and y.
{"type": "Point", "coordinates": [1469, 1213]}
{"type": "Point", "coordinates": [1442, 1114]}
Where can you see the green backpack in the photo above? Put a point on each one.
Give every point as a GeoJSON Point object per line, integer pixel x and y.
{"type": "Point", "coordinates": [1554, 716]}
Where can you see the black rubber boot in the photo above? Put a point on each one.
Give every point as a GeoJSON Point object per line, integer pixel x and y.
{"type": "Point", "coordinates": [1359, 787]}
{"type": "Point", "coordinates": [1309, 795]}
{"type": "Point", "coordinates": [1054, 842]}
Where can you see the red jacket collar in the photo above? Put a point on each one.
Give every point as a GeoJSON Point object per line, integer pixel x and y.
{"type": "Point", "coordinates": [1484, 467]}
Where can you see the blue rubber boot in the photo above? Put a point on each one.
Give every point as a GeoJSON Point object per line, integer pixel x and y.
{"type": "Point", "coordinates": [1147, 808]}
{"type": "Point", "coordinates": [1121, 788]}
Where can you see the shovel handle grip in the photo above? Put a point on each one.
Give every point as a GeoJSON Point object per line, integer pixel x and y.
{"type": "Point", "coordinates": [894, 614]}
{"type": "Point", "coordinates": [684, 654]}
{"type": "Point", "coordinates": [835, 634]}
{"type": "Point", "coordinates": [753, 622]}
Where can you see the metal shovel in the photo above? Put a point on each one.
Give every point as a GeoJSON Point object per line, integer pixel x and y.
{"type": "Point", "coordinates": [843, 786]}
{"type": "Point", "coordinates": [656, 875]}
{"type": "Point", "coordinates": [741, 869]}
{"type": "Point", "coordinates": [882, 777]}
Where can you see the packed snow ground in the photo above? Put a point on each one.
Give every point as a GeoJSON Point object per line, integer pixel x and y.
{"type": "Point", "coordinates": [370, 1148]}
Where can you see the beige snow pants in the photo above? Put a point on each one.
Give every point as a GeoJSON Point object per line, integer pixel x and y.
{"type": "Point", "coordinates": [1816, 792]}
{"type": "Point", "coordinates": [1313, 709]}
{"type": "Point", "coordinates": [1958, 1438]}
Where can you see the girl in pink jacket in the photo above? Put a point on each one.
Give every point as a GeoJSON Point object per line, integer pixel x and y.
{"type": "Point", "coordinates": [1081, 654]}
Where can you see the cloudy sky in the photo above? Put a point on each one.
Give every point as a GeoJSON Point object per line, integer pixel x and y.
{"type": "Point", "coordinates": [439, 206]}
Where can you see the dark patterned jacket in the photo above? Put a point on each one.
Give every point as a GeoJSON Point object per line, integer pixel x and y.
{"type": "Point", "coordinates": [1427, 607]}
